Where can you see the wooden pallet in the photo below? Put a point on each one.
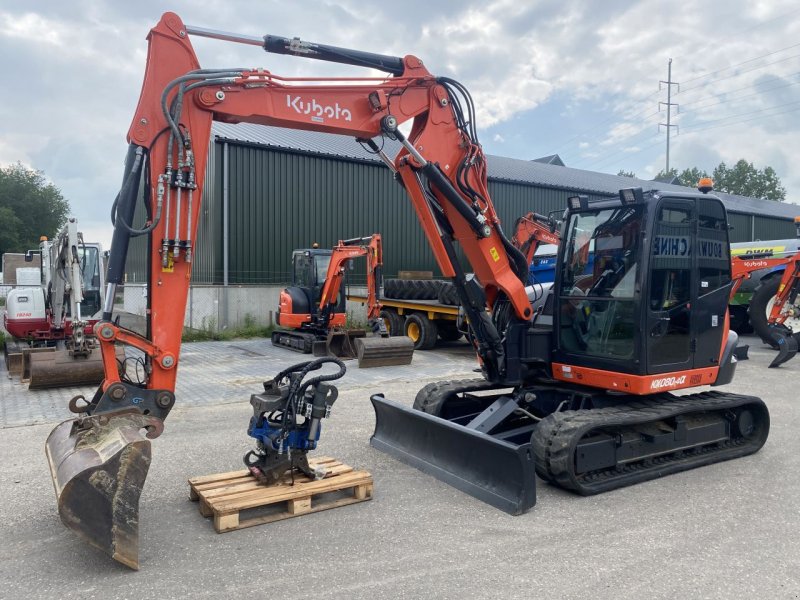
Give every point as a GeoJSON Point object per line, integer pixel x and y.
{"type": "Point", "coordinates": [225, 495]}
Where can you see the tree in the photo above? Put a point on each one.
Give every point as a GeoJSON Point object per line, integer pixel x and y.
{"type": "Point", "coordinates": [666, 175]}
{"type": "Point", "coordinates": [744, 179]}
{"type": "Point", "coordinates": [30, 207]}
{"type": "Point", "coordinates": [691, 177]}
{"type": "Point", "coordinates": [623, 173]}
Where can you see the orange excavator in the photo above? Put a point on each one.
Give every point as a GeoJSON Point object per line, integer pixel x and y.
{"type": "Point", "coordinates": [533, 230]}
{"type": "Point", "coordinates": [312, 310]}
{"type": "Point", "coordinates": [583, 398]}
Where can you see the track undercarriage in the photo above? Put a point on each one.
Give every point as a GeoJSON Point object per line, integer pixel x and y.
{"type": "Point", "coordinates": [583, 440]}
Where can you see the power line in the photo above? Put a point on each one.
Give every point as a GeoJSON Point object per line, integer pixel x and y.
{"type": "Point", "coordinates": [747, 87]}
{"type": "Point", "coordinates": [626, 151]}
{"type": "Point", "coordinates": [599, 125]}
{"type": "Point", "coordinates": [784, 112]}
{"type": "Point", "coordinates": [740, 32]}
{"type": "Point", "coordinates": [744, 62]}
{"type": "Point", "coordinates": [628, 154]}
{"type": "Point", "coordinates": [627, 141]}
{"type": "Point", "coordinates": [750, 112]}
{"type": "Point", "coordinates": [702, 85]}
{"type": "Point", "coordinates": [624, 126]}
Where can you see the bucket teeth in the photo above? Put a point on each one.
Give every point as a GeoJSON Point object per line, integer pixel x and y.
{"type": "Point", "coordinates": [98, 465]}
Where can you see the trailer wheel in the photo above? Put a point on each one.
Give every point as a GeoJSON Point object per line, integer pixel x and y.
{"type": "Point", "coordinates": [761, 300]}
{"type": "Point", "coordinates": [448, 331]}
{"type": "Point", "coordinates": [393, 321]}
{"type": "Point", "coordinates": [422, 331]}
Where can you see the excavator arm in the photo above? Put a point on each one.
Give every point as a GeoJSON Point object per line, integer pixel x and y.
{"type": "Point", "coordinates": [533, 230]}
{"type": "Point", "coordinates": [343, 252]}
{"type": "Point", "coordinates": [441, 165]}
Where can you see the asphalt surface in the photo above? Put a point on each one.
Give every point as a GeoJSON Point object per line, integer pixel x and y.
{"type": "Point", "coordinates": [729, 530]}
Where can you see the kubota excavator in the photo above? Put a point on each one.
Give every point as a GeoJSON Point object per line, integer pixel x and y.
{"type": "Point", "coordinates": [585, 400]}
{"type": "Point", "coordinates": [312, 309]}
{"type": "Point", "coordinates": [531, 231]}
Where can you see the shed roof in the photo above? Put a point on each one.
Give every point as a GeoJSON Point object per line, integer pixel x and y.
{"type": "Point", "coordinates": [529, 172]}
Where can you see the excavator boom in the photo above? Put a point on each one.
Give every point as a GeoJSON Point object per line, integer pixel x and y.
{"type": "Point", "coordinates": [441, 166]}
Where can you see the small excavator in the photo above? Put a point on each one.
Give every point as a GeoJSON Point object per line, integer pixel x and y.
{"type": "Point", "coordinates": [312, 310]}
{"type": "Point", "coordinates": [580, 393]}
{"type": "Point", "coordinates": [52, 325]}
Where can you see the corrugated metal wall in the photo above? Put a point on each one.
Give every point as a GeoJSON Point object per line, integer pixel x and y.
{"type": "Point", "coordinates": [280, 200]}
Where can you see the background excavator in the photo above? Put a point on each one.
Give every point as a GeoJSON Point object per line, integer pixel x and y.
{"type": "Point", "coordinates": [312, 310]}
{"type": "Point", "coordinates": [581, 395]}
{"type": "Point", "coordinates": [52, 325]}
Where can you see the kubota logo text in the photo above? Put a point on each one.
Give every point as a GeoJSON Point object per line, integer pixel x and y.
{"type": "Point", "coordinates": [755, 263]}
{"type": "Point", "coordinates": [657, 384]}
{"type": "Point", "coordinates": [317, 110]}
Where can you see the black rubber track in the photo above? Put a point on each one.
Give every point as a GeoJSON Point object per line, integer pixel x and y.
{"type": "Point", "coordinates": [555, 440]}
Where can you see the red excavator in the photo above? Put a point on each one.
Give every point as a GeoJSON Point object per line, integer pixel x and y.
{"type": "Point", "coordinates": [580, 393]}
{"type": "Point", "coordinates": [312, 310]}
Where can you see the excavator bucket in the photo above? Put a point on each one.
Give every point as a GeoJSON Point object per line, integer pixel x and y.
{"type": "Point", "coordinates": [98, 465]}
{"type": "Point", "coordinates": [492, 470]}
{"type": "Point", "coordinates": [60, 369]}
{"type": "Point", "coordinates": [338, 343]}
{"type": "Point", "coordinates": [379, 351]}
{"type": "Point", "coordinates": [787, 346]}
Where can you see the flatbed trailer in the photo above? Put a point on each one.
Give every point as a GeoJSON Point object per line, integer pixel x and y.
{"type": "Point", "coordinates": [424, 321]}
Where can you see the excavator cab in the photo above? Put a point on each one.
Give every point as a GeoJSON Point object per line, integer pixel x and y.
{"type": "Point", "coordinates": [655, 297]}
{"type": "Point", "coordinates": [309, 268]}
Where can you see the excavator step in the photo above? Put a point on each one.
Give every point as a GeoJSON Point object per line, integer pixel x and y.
{"type": "Point", "coordinates": [226, 496]}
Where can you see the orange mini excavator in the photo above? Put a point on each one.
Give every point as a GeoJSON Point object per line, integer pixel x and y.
{"type": "Point", "coordinates": [579, 392]}
{"type": "Point", "coordinates": [312, 310]}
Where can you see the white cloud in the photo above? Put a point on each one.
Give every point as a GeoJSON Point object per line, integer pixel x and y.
{"type": "Point", "coordinates": [498, 138]}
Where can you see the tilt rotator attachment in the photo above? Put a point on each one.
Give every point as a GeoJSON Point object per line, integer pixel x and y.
{"type": "Point", "coordinates": [286, 421]}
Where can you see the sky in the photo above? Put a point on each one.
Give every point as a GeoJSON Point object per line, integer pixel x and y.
{"type": "Point", "coordinates": [577, 78]}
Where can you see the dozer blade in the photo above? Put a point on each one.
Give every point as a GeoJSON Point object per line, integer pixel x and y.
{"type": "Point", "coordinates": [60, 369]}
{"type": "Point", "coordinates": [379, 351]}
{"type": "Point", "coordinates": [338, 343]}
{"type": "Point", "coordinates": [98, 465]}
{"type": "Point", "coordinates": [494, 471]}
{"type": "Point", "coordinates": [787, 346]}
